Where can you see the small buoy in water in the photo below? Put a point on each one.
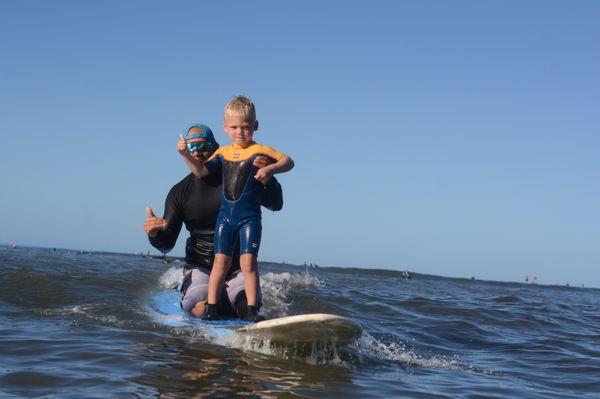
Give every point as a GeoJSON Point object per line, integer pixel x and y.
{"type": "Point", "coordinates": [14, 246]}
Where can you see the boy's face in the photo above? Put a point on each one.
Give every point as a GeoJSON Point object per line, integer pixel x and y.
{"type": "Point", "coordinates": [239, 130]}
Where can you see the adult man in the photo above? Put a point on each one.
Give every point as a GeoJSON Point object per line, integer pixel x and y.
{"type": "Point", "coordinates": [196, 202]}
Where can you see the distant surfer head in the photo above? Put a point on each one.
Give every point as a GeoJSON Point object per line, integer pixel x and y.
{"type": "Point", "coordinates": [200, 142]}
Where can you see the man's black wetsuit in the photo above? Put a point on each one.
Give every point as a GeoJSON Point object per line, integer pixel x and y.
{"type": "Point", "coordinates": [196, 203]}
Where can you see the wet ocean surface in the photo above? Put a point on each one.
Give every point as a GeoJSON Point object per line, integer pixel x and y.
{"type": "Point", "coordinates": [82, 325]}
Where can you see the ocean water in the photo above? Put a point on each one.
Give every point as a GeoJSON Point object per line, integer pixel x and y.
{"type": "Point", "coordinates": [88, 326]}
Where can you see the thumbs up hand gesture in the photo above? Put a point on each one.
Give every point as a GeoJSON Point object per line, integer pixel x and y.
{"type": "Point", "coordinates": [153, 224]}
{"type": "Point", "coordinates": [181, 148]}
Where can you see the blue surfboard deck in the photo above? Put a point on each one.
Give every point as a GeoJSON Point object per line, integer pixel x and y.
{"type": "Point", "coordinates": [164, 306]}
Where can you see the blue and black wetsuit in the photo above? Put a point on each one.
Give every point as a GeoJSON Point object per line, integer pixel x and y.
{"type": "Point", "coordinates": [239, 215]}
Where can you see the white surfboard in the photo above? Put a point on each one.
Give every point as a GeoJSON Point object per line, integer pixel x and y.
{"type": "Point", "coordinates": [291, 330]}
{"type": "Point", "coordinates": [306, 328]}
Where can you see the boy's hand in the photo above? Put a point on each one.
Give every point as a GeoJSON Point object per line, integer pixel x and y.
{"type": "Point", "coordinates": [263, 175]}
{"type": "Point", "coordinates": [153, 224]}
{"type": "Point", "coordinates": [181, 148]}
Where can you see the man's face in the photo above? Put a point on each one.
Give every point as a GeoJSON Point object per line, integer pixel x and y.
{"type": "Point", "coordinates": [198, 147]}
{"type": "Point", "coordinates": [239, 130]}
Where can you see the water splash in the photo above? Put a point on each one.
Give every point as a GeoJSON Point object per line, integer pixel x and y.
{"type": "Point", "coordinates": [276, 287]}
{"type": "Point", "coordinates": [369, 346]}
{"type": "Point", "coordinates": [172, 278]}
{"type": "Point", "coordinates": [316, 353]}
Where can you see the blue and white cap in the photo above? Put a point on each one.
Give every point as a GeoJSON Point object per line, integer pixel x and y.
{"type": "Point", "coordinates": [204, 133]}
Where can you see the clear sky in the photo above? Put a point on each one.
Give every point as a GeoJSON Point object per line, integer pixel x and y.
{"type": "Point", "coordinates": [454, 138]}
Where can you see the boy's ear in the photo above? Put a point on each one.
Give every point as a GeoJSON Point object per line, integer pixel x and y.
{"type": "Point", "coordinates": [255, 125]}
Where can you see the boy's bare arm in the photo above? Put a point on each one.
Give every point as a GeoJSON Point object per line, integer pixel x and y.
{"type": "Point", "coordinates": [196, 166]}
{"type": "Point", "coordinates": [285, 164]}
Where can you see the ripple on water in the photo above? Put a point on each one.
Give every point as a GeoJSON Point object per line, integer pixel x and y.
{"type": "Point", "coordinates": [80, 326]}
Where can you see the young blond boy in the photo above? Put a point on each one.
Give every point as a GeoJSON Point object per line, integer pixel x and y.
{"type": "Point", "coordinates": [240, 215]}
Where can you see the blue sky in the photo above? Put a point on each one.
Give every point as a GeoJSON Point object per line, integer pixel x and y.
{"type": "Point", "coordinates": [453, 138]}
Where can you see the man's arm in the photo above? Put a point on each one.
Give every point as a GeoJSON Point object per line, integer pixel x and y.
{"type": "Point", "coordinates": [272, 197]}
{"type": "Point", "coordinates": [165, 236]}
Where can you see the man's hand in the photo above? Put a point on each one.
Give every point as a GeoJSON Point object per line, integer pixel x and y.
{"type": "Point", "coordinates": [261, 162]}
{"type": "Point", "coordinates": [153, 224]}
{"type": "Point", "coordinates": [181, 148]}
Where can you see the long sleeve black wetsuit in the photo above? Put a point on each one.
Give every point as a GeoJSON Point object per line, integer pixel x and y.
{"type": "Point", "coordinates": [196, 203]}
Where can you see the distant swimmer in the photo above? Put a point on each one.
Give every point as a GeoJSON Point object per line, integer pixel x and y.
{"type": "Point", "coordinates": [14, 246]}
{"type": "Point", "coordinates": [526, 279]}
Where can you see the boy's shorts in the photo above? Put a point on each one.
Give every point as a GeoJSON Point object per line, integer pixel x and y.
{"type": "Point", "coordinates": [226, 234]}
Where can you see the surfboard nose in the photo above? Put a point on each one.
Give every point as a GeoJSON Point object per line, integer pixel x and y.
{"type": "Point", "coordinates": [308, 328]}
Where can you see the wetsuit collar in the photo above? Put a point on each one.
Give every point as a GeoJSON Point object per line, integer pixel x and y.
{"type": "Point", "coordinates": [238, 147]}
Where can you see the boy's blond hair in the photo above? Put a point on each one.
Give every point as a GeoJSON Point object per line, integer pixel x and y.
{"type": "Point", "coordinates": [241, 106]}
